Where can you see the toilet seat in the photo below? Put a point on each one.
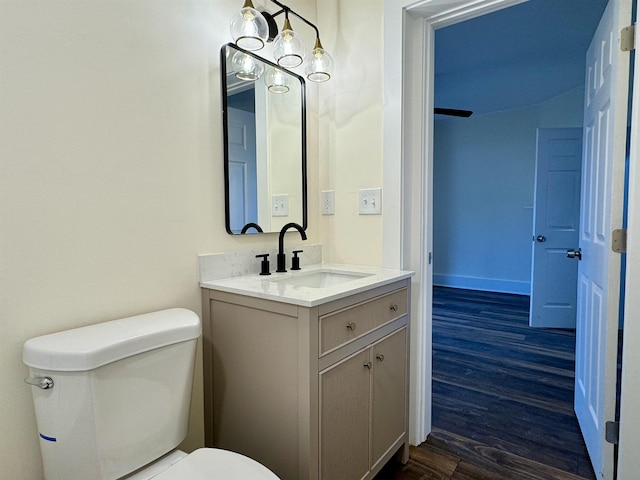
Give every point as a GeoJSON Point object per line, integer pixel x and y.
{"type": "Point", "coordinates": [214, 463]}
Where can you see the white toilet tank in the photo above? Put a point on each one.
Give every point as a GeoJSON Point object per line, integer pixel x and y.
{"type": "Point", "coordinates": [120, 396]}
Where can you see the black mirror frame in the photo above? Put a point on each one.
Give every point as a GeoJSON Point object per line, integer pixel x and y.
{"type": "Point", "coordinates": [225, 134]}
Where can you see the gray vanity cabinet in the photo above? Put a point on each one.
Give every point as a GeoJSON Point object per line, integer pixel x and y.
{"type": "Point", "coordinates": [362, 409]}
{"type": "Point", "coordinates": [318, 393]}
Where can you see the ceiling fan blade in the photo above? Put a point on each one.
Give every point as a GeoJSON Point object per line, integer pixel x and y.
{"type": "Point", "coordinates": [453, 112]}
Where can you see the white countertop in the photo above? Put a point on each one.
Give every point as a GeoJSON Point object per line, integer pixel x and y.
{"type": "Point", "coordinates": [271, 287]}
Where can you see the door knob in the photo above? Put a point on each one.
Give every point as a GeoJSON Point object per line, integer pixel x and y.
{"type": "Point", "coordinates": [575, 254]}
{"type": "Point", "coordinates": [541, 238]}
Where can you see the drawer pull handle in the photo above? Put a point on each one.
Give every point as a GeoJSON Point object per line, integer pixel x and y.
{"type": "Point", "coordinates": [351, 326]}
{"type": "Point", "coordinates": [393, 308]}
{"type": "Point", "coordinates": [380, 357]}
{"type": "Point", "coordinates": [368, 365]}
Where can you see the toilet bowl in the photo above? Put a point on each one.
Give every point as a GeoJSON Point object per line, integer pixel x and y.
{"type": "Point", "coordinates": [206, 464]}
{"type": "Point", "coordinates": [112, 402]}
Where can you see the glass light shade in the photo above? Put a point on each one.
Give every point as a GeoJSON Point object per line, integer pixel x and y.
{"type": "Point", "coordinates": [288, 49]}
{"type": "Point", "coordinates": [246, 67]}
{"type": "Point", "coordinates": [276, 81]}
{"type": "Point", "coordinates": [318, 64]}
{"type": "Point", "coordinates": [249, 28]}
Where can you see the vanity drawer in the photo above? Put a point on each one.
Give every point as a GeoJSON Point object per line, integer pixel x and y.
{"type": "Point", "coordinates": [341, 327]}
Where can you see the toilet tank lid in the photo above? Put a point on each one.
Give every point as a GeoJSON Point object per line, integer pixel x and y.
{"type": "Point", "coordinates": [90, 347]}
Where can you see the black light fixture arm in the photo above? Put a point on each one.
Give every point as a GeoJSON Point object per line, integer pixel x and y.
{"type": "Point", "coordinates": [286, 10]}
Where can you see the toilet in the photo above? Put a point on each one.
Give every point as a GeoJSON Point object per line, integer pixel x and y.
{"type": "Point", "coordinates": [112, 402]}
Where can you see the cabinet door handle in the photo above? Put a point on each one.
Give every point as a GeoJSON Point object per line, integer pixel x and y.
{"type": "Point", "coordinates": [368, 365]}
{"type": "Point", "coordinates": [351, 326]}
{"type": "Point", "coordinates": [393, 308]}
{"type": "Point", "coordinates": [380, 357]}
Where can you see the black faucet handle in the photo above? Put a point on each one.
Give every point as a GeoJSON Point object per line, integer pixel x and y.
{"type": "Point", "coordinates": [295, 261]}
{"type": "Point", "coordinates": [264, 265]}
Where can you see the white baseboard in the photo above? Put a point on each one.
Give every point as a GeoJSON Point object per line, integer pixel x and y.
{"type": "Point", "coordinates": [484, 284]}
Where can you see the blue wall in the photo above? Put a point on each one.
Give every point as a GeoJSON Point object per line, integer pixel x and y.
{"type": "Point", "coordinates": [483, 194]}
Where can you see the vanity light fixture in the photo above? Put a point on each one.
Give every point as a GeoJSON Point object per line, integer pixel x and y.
{"type": "Point", "coordinates": [288, 48]}
{"type": "Point", "coordinates": [319, 64]}
{"type": "Point", "coordinates": [249, 28]}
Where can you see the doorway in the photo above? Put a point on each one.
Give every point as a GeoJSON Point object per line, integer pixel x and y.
{"type": "Point", "coordinates": [595, 421]}
{"type": "Point", "coordinates": [407, 153]}
{"type": "Point", "coordinates": [483, 193]}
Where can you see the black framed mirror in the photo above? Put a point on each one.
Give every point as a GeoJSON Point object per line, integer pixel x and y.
{"type": "Point", "coordinates": [265, 144]}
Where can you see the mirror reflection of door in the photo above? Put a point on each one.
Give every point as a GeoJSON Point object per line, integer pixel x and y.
{"type": "Point", "coordinates": [242, 159]}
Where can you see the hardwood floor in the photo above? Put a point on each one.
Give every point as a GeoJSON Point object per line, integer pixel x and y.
{"type": "Point", "coordinates": [502, 396]}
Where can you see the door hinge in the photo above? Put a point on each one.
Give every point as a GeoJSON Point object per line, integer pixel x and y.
{"type": "Point", "coordinates": [628, 38]}
{"type": "Point", "coordinates": [430, 257]}
{"type": "Point", "coordinates": [619, 240]}
{"type": "Point", "coordinates": [612, 432]}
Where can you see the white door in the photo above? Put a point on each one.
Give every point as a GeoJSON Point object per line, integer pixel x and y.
{"type": "Point", "coordinates": [556, 220]}
{"type": "Point", "coordinates": [605, 120]}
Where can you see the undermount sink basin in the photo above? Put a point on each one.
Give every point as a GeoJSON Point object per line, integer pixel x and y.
{"type": "Point", "coordinates": [320, 278]}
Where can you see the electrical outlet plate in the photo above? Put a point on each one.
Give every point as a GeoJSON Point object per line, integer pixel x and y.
{"type": "Point", "coordinates": [327, 202]}
{"type": "Point", "coordinates": [370, 201]}
{"type": "Point", "coordinates": [280, 205]}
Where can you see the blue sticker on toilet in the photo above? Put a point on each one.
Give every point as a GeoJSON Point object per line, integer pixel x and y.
{"type": "Point", "coordinates": [48, 439]}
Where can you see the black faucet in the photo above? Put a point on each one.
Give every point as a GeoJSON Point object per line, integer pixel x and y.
{"type": "Point", "coordinates": [281, 259]}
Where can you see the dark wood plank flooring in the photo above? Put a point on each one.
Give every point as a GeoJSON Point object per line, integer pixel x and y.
{"type": "Point", "coordinates": [502, 396]}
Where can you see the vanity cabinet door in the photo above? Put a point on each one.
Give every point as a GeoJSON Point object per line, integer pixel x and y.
{"type": "Point", "coordinates": [344, 418]}
{"type": "Point", "coordinates": [362, 408]}
{"type": "Point", "coordinates": [389, 358]}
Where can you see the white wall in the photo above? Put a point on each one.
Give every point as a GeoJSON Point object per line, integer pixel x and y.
{"type": "Point", "coordinates": [350, 135]}
{"type": "Point", "coordinates": [484, 170]}
{"type": "Point", "coordinates": [110, 175]}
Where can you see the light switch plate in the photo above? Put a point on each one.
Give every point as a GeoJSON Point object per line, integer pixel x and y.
{"type": "Point", "coordinates": [370, 201]}
{"type": "Point", "coordinates": [327, 202]}
{"type": "Point", "coordinates": [280, 205]}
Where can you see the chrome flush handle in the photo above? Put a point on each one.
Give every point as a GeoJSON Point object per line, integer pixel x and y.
{"type": "Point", "coordinates": [44, 383]}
